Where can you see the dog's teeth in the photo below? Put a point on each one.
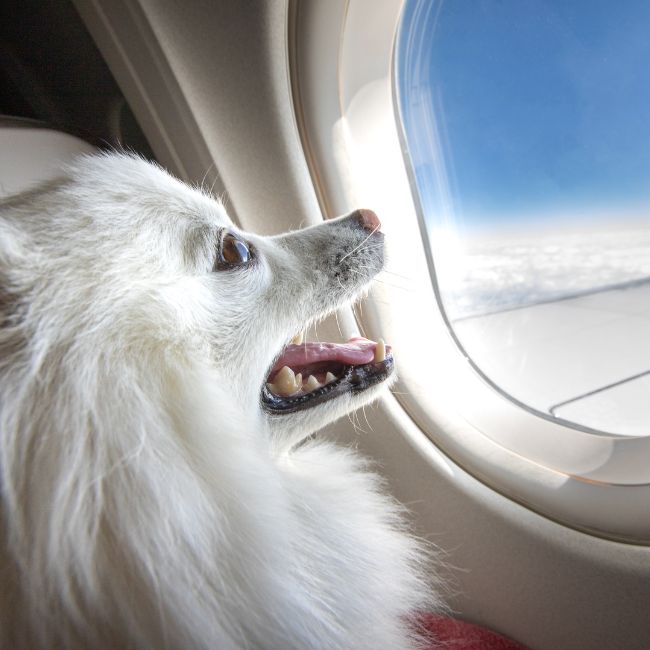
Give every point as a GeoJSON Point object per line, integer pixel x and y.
{"type": "Point", "coordinates": [299, 381]}
{"type": "Point", "coordinates": [380, 351]}
{"type": "Point", "coordinates": [329, 378]}
{"type": "Point", "coordinates": [286, 375]}
{"type": "Point", "coordinates": [312, 383]}
{"type": "Point", "coordinates": [298, 338]}
{"type": "Point", "coordinates": [285, 382]}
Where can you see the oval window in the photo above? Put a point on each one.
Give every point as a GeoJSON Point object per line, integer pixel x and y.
{"type": "Point", "coordinates": [527, 125]}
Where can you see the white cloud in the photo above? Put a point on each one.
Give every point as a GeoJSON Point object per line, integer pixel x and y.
{"type": "Point", "coordinates": [486, 274]}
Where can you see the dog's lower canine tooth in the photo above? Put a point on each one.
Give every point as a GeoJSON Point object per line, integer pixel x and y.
{"type": "Point", "coordinates": [298, 338]}
{"type": "Point", "coordinates": [329, 378]}
{"type": "Point", "coordinates": [312, 383]}
{"type": "Point", "coordinates": [380, 351]}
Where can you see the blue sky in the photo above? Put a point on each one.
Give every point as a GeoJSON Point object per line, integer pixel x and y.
{"type": "Point", "coordinates": [535, 108]}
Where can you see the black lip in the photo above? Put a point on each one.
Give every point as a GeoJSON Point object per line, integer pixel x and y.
{"type": "Point", "coordinates": [354, 379]}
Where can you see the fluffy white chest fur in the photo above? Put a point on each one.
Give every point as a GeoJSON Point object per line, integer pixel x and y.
{"type": "Point", "coordinates": [159, 485]}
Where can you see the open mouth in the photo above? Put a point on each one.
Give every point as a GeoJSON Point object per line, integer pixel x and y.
{"type": "Point", "coordinates": [310, 373]}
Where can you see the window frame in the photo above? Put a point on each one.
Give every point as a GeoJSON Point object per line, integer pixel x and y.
{"type": "Point", "coordinates": [341, 59]}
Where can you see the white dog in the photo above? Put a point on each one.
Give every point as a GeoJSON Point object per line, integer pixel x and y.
{"type": "Point", "coordinates": [160, 485]}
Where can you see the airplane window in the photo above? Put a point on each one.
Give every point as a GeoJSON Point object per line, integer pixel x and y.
{"type": "Point", "coordinates": [527, 128]}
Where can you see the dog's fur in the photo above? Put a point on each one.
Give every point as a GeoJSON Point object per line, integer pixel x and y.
{"type": "Point", "coordinates": [147, 499]}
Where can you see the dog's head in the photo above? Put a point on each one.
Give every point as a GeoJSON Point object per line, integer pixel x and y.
{"type": "Point", "coordinates": [121, 258]}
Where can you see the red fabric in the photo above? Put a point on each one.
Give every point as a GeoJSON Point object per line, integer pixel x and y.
{"type": "Point", "coordinates": [452, 634]}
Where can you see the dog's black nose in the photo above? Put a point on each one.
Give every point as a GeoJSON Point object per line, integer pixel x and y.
{"type": "Point", "coordinates": [368, 220]}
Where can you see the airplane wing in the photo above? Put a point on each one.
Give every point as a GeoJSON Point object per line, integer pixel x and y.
{"type": "Point", "coordinates": [585, 358]}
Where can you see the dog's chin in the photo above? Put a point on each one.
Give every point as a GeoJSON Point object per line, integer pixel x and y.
{"type": "Point", "coordinates": [312, 384]}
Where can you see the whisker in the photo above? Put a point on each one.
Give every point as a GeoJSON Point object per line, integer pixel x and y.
{"type": "Point", "coordinates": [359, 428]}
{"type": "Point", "coordinates": [378, 278]}
{"type": "Point", "coordinates": [367, 247]}
{"type": "Point", "coordinates": [394, 285]}
{"type": "Point", "coordinates": [336, 317]}
{"type": "Point", "coordinates": [399, 275]}
{"type": "Point", "coordinates": [365, 415]}
{"type": "Point", "coordinates": [353, 423]}
{"type": "Point", "coordinates": [358, 318]}
{"type": "Point", "coordinates": [356, 248]}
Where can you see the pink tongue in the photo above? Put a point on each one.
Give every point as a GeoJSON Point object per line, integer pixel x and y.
{"type": "Point", "coordinates": [355, 352]}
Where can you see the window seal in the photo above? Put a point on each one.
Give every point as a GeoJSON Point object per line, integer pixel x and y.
{"type": "Point", "coordinates": [584, 479]}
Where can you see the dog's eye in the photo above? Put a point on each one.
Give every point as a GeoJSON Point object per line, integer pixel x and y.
{"type": "Point", "coordinates": [233, 251]}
